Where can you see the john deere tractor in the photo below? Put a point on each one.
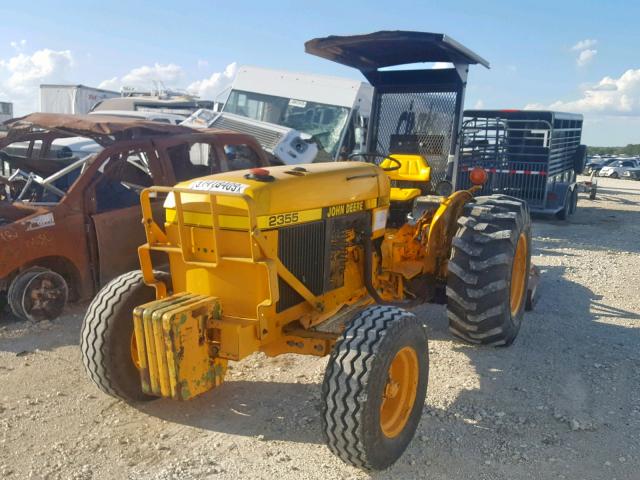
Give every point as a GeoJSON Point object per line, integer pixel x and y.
{"type": "Point", "coordinates": [324, 259]}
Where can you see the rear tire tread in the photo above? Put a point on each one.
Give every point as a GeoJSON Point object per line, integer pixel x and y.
{"type": "Point", "coordinates": [480, 270]}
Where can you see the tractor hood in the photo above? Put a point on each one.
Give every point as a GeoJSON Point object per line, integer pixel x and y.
{"type": "Point", "coordinates": [285, 188]}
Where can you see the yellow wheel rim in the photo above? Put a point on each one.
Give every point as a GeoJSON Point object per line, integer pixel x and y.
{"type": "Point", "coordinates": [135, 358]}
{"type": "Point", "coordinates": [400, 392]}
{"type": "Point", "coordinates": [519, 274]}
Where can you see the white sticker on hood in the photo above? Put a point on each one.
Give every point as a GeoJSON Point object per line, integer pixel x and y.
{"type": "Point", "coordinates": [218, 186]}
{"type": "Point", "coordinates": [41, 221]}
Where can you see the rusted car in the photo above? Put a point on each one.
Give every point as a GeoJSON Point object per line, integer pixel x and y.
{"type": "Point", "coordinates": [69, 223]}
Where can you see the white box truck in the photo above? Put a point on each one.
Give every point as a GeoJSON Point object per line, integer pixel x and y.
{"type": "Point", "coordinates": [333, 112]}
{"type": "Point", "coordinates": [75, 99]}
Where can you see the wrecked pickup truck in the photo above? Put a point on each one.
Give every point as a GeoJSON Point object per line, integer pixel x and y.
{"type": "Point", "coordinates": [70, 222]}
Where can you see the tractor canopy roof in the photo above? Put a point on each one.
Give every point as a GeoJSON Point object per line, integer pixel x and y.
{"type": "Point", "coordinates": [377, 50]}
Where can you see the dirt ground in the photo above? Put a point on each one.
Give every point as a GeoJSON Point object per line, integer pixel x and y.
{"type": "Point", "coordinates": [562, 402]}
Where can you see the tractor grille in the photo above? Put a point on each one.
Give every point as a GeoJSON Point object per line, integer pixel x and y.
{"type": "Point", "coordinates": [301, 248]}
{"type": "Point", "coordinates": [316, 254]}
{"type": "Point", "coordinates": [417, 122]}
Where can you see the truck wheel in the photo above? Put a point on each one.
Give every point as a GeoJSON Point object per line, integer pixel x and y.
{"type": "Point", "coordinates": [38, 294]}
{"type": "Point", "coordinates": [107, 341]}
{"type": "Point", "coordinates": [489, 271]}
{"type": "Point", "coordinates": [374, 387]}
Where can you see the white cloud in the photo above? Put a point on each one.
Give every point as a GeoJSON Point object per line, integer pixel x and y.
{"type": "Point", "coordinates": [110, 84]}
{"type": "Point", "coordinates": [210, 88]}
{"type": "Point", "coordinates": [584, 44]}
{"type": "Point", "coordinates": [441, 65]}
{"type": "Point", "coordinates": [535, 106]}
{"type": "Point", "coordinates": [479, 104]}
{"type": "Point", "coordinates": [147, 77]}
{"type": "Point", "coordinates": [610, 96]}
{"type": "Point", "coordinates": [173, 76]}
{"type": "Point", "coordinates": [585, 57]}
{"type": "Point", "coordinates": [203, 63]}
{"type": "Point", "coordinates": [18, 45]}
{"type": "Point", "coordinates": [586, 52]}
{"type": "Point", "coordinates": [21, 75]}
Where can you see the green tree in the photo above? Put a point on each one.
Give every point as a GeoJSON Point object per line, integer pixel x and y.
{"type": "Point", "coordinates": [631, 149]}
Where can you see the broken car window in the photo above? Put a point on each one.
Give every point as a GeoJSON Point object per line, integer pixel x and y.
{"type": "Point", "coordinates": [192, 161]}
{"type": "Point", "coordinates": [241, 156]}
{"type": "Point", "coordinates": [40, 172]}
{"type": "Point", "coordinates": [120, 180]}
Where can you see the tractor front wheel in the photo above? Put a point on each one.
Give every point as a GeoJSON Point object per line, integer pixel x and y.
{"type": "Point", "coordinates": [107, 340]}
{"type": "Point", "coordinates": [374, 387]}
{"type": "Point", "coordinates": [488, 272]}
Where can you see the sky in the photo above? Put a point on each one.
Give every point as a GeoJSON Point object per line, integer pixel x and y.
{"type": "Point", "coordinates": [579, 56]}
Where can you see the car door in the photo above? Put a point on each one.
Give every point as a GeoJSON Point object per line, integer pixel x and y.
{"type": "Point", "coordinates": [625, 165]}
{"type": "Point", "coordinates": [116, 215]}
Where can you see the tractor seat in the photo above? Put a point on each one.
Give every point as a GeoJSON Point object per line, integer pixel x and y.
{"type": "Point", "coordinates": [414, 168]}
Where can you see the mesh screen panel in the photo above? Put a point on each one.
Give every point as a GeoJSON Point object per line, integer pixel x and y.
{"type": "Point", "coordinates": [428, 116]}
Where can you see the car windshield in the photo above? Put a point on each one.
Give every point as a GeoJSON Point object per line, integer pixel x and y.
{"type": "Point", "coordinates": [324, 123]}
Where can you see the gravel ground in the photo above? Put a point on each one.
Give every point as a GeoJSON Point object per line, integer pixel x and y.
{"type": "Point", "coordinates": [562, 402]}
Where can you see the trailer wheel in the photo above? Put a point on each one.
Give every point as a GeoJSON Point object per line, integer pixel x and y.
{"type": "Point", "coordinates": [574, 201]}
{"type": "Point", "coordinates": [488, 271]}
{"type": "Point", "coordinates": [38, 294]}
{"type": "Point", "coordinates": [566, 207]}
{"type": "Point", "coordinates": [374, 387]}
{"type": "Point", "coordinates": [107, 342]}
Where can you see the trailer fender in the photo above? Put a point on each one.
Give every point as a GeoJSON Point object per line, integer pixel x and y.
{"type": "Point", "coordinates": [558, 194]}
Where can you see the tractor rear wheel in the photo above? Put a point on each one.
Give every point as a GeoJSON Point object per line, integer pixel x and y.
{"type": "Point", "coordinates": [489, 271]}
{"type": "Point", "coordinates": [107, 341]}
{"type": "Point", "coordinates": [374, 387]}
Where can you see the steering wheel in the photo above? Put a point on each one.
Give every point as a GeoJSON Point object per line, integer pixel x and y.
{"type": "Point", "coordinates": [378, 158]}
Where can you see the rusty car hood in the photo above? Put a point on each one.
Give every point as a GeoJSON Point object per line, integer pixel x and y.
{"type": "Point", "coordinates": [97, 127]}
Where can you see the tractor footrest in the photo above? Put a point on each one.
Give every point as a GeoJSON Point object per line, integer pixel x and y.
{"type": "Point", "coordinates": [175, 351]}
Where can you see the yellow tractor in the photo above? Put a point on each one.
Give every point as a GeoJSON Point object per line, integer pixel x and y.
{"type": "Point", "coordinates": [322, 259]}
